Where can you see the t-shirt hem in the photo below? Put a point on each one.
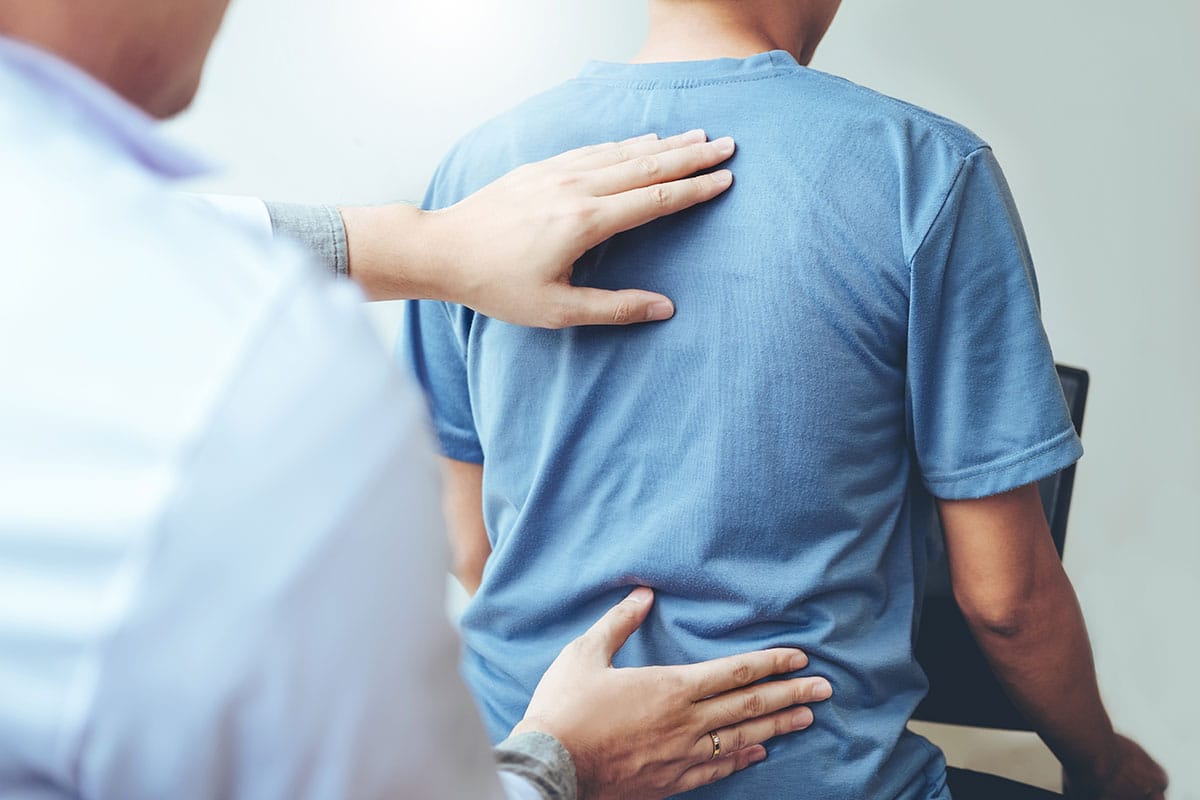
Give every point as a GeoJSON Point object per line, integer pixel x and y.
{"type": "Point", "coordinates": [458, 447]}
{"type": "Point", "coordinates": [1006, 474]}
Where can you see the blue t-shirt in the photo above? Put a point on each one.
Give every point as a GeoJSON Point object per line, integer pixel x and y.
{"type": "Point", "coordinates": [857, 331]}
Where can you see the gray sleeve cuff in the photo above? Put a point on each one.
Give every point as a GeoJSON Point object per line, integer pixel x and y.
{"type": "Point", "coordinates": [319, 229]}
{"type": "Point", "coordinates": [542, 761]}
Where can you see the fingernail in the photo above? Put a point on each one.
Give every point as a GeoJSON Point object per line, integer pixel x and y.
{"type": "Point", "coordinates": [802, 718]}
{"type": "Point", "coordinates": [760, 754]}
{"type": "Point", "coordinates": [799, 661]}
{"type": "Point", "coordinates": [722, 177]}
{"type": "Point", "coordinates": [697, 135]}
{"type": "Point", "coordinates": [724, 145]}
{"type": "Point", "coordinates": [822, 690]}
{"type": "Point", "coordinates": [659, 310]}
{"type": "Point", "coordinates": [640, 596]}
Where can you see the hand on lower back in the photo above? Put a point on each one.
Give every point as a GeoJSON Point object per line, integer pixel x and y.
{"type": "Point", "coordinates": [644, 732]}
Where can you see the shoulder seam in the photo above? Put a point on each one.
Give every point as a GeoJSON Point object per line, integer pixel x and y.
{"type": "Point", "coordinates": [962, 162]}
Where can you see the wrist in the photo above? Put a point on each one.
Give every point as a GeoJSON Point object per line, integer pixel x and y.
{"type": "Point", "coordinates": [1096, 768]}
{"type": "Point", "coordinates": [396, 252]}
{"type": "Point", "coordinates": [583, 764]}
{"type": "Point", "coordinates": [542, 761]}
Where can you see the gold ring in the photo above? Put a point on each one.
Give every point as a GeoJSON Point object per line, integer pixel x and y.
{"type": "Point", "coordinates": [716, 744]}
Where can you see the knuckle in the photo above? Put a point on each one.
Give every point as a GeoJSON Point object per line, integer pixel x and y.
{"type": "Point", "coordinates": [577, 646]}
{"type": "Point", "coordinates": [558, 316]}
{"type": "Point", "coordinates": [742, 673]}
{"type": "Point", "coordinates": [621, 153]}
{"type": "Point", "coordinates": [753, 705]}
{"type": "Point", "coordinates": [626, 612]}
{"type": "Point", "coordinates": [660, 196]}
{"type": "Point", "coordinates": [647, 166]}
{"type": "Point", "coordinates": [674, 686]}
{"type": "Point", "coordinates": [577, 221]}
{"type": "Point", "coordinates": [737, 740]}
{"type": "Point", "coordinates": [583, 214]}
{"type": "Point", "coordinates": [566, 180]}
{"type": "Point", "coordinates": [622, 314]}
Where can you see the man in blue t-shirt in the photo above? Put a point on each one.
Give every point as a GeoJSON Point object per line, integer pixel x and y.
{"type": "Point", "coordinates": [857, 344]}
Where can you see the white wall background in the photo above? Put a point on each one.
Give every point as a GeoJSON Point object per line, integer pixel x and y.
{"type": "Point", "coordinates": [1093, 107]}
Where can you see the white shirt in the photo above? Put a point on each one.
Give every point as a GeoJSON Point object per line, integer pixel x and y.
{"type": "Point", "coordinates": [221, 563]}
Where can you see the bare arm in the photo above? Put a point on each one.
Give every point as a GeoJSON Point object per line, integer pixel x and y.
{"type": "Point", "coordinates": [1023, 611]}
{"type": "Point", "coordinates": [463, 506]}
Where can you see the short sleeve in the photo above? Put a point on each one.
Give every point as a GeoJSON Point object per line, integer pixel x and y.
{"type": "Point", "coordinates": [987, 412]}
{"type": "Point", "coordinates": [433, 343]}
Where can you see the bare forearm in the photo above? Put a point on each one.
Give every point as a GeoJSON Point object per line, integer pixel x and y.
{"type": "Point", "coordinates": [395, 253]}
{"type": "Point", "coordinates": [1011, 586]}
{"type": "Point", "coordinates": [1042, 655]}
{"type": "Point", "coordinates": [463, 506]}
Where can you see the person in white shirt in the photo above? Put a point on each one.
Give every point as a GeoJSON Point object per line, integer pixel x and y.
{"type": "Point", "coordinates": [221, 566]}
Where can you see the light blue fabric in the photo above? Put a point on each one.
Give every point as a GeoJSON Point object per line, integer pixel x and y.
{"type": "Point", "coordinates": [221, 555]}
{"type": "Point", "coordinates": [857, 330]}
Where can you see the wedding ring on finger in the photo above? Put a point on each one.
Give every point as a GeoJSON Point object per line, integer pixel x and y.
{"type": "Point", "coordinates": [716, 740]}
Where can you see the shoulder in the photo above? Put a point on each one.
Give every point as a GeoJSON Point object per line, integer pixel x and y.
{"type": "Point", "coordinates": [844, 98]}
{"type": "Point", "coordinates": [139, 301]}
{"type": "Point", "coordinates": [522, 134]}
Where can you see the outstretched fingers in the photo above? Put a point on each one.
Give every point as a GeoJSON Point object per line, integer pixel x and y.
{"type": "Point", "coordinates": [719, 768]}
{"type": "Point", "coordinates": [738, 737]}
{"type": "Point", "coordinates": [652, 168]}
{"type": "Point", "coordinates": [752, 702]}
{"type": "Point", "coordinates": [621, 212]}
{"type": "Point", "coordinates": [721, 675]}
{"type": "Point", "coordinates": [601, 156]}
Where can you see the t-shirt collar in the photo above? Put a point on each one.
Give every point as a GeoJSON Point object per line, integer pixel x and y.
{"type": "Point", "coordinates": [714, 69]}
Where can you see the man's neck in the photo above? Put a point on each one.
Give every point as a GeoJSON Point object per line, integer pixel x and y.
{"type": "Point", "coordinates": [698, 30]}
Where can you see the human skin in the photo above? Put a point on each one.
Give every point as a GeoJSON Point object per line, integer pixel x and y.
{"type": "Point", "coordinates": [1021, 607]}
{"type": "Point", "coordinates": [152, 53]}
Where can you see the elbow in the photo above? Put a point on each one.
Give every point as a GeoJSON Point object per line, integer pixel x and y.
{"type": "Point", "coordinates": [1002, 615]}
{"type": "Point", "coordinates": [1001, 621]}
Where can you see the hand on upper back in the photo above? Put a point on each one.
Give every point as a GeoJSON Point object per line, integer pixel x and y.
{"type": "Point", "coordinates": [510, 248]}
{"type": "Point", "coordinates": [644, 732]}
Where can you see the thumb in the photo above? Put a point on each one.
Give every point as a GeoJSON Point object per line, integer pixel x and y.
{"type": "Point", "coordinates": [586, 306]}
{"type": "Point", "coordinates": [612, 630]}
